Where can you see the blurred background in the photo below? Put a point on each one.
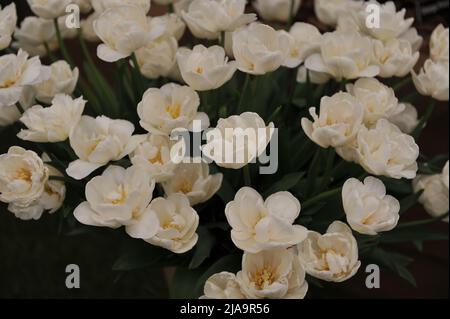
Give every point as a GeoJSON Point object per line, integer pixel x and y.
{"type": "Point", "coordinates": [34, 254]}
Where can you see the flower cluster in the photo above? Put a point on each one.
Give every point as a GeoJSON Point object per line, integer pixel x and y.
{"type": "Point", "coordinates": [210, 71]}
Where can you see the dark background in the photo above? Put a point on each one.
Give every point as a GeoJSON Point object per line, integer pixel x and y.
{"type": "Point", "coordinates": [34, 254]}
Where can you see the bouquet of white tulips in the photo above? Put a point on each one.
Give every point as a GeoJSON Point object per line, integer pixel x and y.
{"type": "Point", "coordinates": [257, 154]}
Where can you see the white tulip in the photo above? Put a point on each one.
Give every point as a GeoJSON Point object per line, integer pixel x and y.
{"type": "Point", "coordinates": [272, 274]}
{"type": "Point", "coordinates": [171, 107]}
{"type": "Point", "coordinates": [349, 151]}
{"type": "Point", "coordinates": [433, 80]}
{"type": "Point", "coordinates": [238, 140]}
{"type": "Point", "coordinates": [445, 174]}
{"type": "Point", "coordinates": [23, 176]}
{"type": "Point", "coordinates": [49, 9]}
{"type": "Point", "coordinates": [392, 23]}
{"type": "Point", "coordinates": [340, 119]}
{"type": "Point", "coordinates": [63, 80]}
{"type": "Point", "coordinates": [413, 37]}
{"type": "Point", "coordinates": [158, 58]}
{"type": "Point", "coordinates": [379, 101]}
{"type": "Point", "coordinates": [369, 210]}
{"type": "Point", "coordinates": [314, 77]}
{"type": "Point", "coordinates": [385, 150]}
{"type": "Point", "coordinates": [8, 21]}
{"type": "Point", "coordinates": [395, 57]}
{"type": "Point", "coordinates": [329, 11]}
{"type": "Point", "coordinates": [176, 223]}
{"type": "Point", "coordinates": [277, 10]}
{"type": "Point", "coordinates": [407, 120]}
{"type": "Point", "coordinates": [305, 40]}
{"type": "Point", "coordinates": [195, 181]}
{"type": "Point", "coordinates": [17, 73]}
{"type": "Point", "coordinates": [435, 194]}
{"type": "Point", "coordinates": [332, 256]}
{"type": "Point", "coordinates": [34, 34]}
{"type": "Point", "coordinates": [205, 69]}
{"type": "Point", "coordinates": [172, 25]}
{"type": "Point", "coordinates": [123, 30]}
{"type": "Point", "coordinates": [344, 55]}
{"type": "Point", "coordinates": [439, 43]}
{"type": "Point", "coordinates": [87, 28]}
{"type": "Point", "coordinates": [120, 197]}
{"type": "Point", "coordinates": [153, 154]}
{"type": "Point", "coordinates": [97, 141]}
{"type": "Point", "coordinates": [223, 285]}
{"type": "Point", "coordinates": [52, 124]}
{"type": "Point", "coordinates": [259, 225]}
{"type": "Point", "coordinates": [51, 199]}
{"type": "Point", "coordinates": [259, 49]}
{"type": "Point", "coordinates": [208, 18]}
{"type": "Point", "coordinates": [103, 5]}
{"type": "Point", "coordinates": [11, 114]}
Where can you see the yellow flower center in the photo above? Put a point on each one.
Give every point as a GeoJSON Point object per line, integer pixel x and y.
{"type": "Point", "coordinates": [174, 110]}
{"type": "Point", "coordinates": [24, 175]}
{"type": "Point", "coordinates": [156, 159]}
{"type": "Point", "coordinates": [199, 70]}
{"type": "Point", "coordinates": [263, 277]}
{"type": "Point", "coordinates": [121, 198]}
{"type": "Point", "coordinates": [7, 84]}
{"type": "Point", "coordinates": [185, 186]}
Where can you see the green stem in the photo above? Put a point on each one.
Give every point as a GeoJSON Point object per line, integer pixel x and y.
{"type": "Point", "coordinates": [171, 8]}
{"type": "Point", "coordinates": [328, 169]}
{"type": "Point", "coordinates": [62, 47]}
{"type": "Point", "coordinates": [321, 197]}
{"type": "Point", "coordinates": [49, 52]}
{"type": "Point", "coordinates": [243, 94]}
{"type": "Point", "coordinates": [222, 39]}
{"type": "Point", "coordinates": [247, 176]}
{"type": "Point", "coordinates": [140, 78]}
{"type": "Point", "coordinates": [423, 122]}
{"type": "Point", "coordinates": [291, 14]}
{"type": "Point", "coordinates": [20, 108]}
{"type": "Point", "coordinates": [423, 222]}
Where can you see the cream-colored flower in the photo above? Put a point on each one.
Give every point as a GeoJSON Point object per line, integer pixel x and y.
{"type": "Point", "coordinates": [439, 43]}
{"type": "Point", "coordinates": [435, 194]}
{"type": "Point", "coordinates": [23, 176]}
{"type": "Point", "coordinates": [340, 119]}
{"type": "Point", "coordinates": [18, 72]}
{"type": "Point", "coordinates": [329, 11]}
{"type": "Point", "coordinates": [379, 101]}
{"type": "Point", "coordinates": [369, 210]}
{"type": "Point", "coordinates": [445, 175]}
{"type": "Point", "coordinates": [49, 9]}
{"type": "Point", "coordinates": [259, 225]}
{"type": "Point", "coordinates": [272, 274]}
{"type": "Point", "coordinates": [208, 18]}
{"type": "Point", "coordinates": [97, 141]}
{"type": "Point", "coordinates": [34, 33]}
{"type": "Point", "coordinates": [87, 28]}
{"type": "Point", "coordinates": [123, 30]}
{"type": "Point", "coordinates": [223, 285]}
{"type": "Point", "coordinates": [103, 5]}
{"type": "Point", "coordinates": [120, 197]}
{"type": "Point", "coordinates": [176, 223]}
{"type": "Point", "coordinates": [158, 58]}
{"type": "Point", "coordinates": [314, 77]}
{"type": "Point", "coordinates": [259, 49]}
{"type": "Point", "coordinates": [344, 55]}
{"type": "Point", "coordinates": [349, 151]}
{"type": "Point", "coordinates": [51, 199]}
{"type": "Point", "coordinates": [385, 150]}
{"type": "Point", "coordinates": [8, 21]}
{"type": "Point", "coordinates": [304, 40]}
{"type": "Point", "coordinates": [11, 114]}
{"type": "Point", "coordinates": [277, 10]}
{"type": "Point", "coordinates": [332, 256]}
{"type": "Point", "coordinates": [238, 140]}
{"type": "Point", "coordinates": [413, 37]}
{"type": "Point", "coordinates": [407, 120]}
{"type": "Point", "coordinates": [433, 80]}
{"type": "Point", "coordinates": [392, 23]}
{"type": "Point", "coordinates": [205, 69]}
{"type": "Point", "coordinates": [195, 181]}
{"type": "Point", "coordinates": [171, 107]}
{"type": "Point", "coordinates": [63, 80]}
{"type": "Point", "coordinates": [395, 57]}
{"type": "Point", "coordinates": [52, 124]}
{"type": "Point", "coordinates": [171, 23]}
{"type": "Point", "coordinates": [153, 155]}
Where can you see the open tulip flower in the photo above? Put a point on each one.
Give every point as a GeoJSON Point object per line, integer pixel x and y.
{"type": "Point", "coordinates": [260, 154]}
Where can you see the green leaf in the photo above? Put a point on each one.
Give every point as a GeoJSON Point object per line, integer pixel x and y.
{"type": "Point", "coordinates": [401, 186]}
{"type": "Point", "coordinates": [412, 234]}
{"type": "Point", "coordinates": [203, 248]}
{"type": "Point", "coordinates": [286, 183]}
{"type": "Point", "coordinates": [183, 284]}
{"type": "Point", "coordinates": [409, 202]}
